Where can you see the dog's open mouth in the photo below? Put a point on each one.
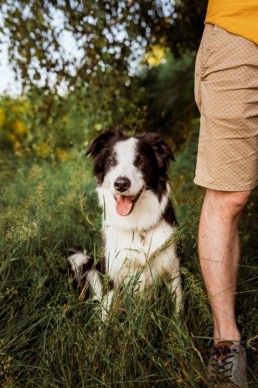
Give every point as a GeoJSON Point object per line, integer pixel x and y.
{"type": "Point", "coordinates": [126, 203]}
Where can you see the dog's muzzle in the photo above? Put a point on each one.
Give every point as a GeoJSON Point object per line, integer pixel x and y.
{"type": "Point", "coordinates": [125, 203]}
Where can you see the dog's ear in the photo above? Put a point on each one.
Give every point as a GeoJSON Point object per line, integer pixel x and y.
{"type": "Point", "coordinates": [160, 147]}
{"type": "Point", "coordinates": [101, 141]}
{"type": "Point", "coordinates": [98, 149]}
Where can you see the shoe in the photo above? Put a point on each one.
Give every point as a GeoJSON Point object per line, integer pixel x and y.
{"type": "Point", "coordinates": [228, 364]}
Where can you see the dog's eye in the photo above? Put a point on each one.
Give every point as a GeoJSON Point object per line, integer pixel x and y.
{"type": "Point", "coordinates": [111, 161]}
{"type": "Point", "coordinates": [142, 163]}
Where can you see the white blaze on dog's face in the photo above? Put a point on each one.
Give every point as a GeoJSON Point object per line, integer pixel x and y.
{"type": "Point", "coordinates": [124, 178]}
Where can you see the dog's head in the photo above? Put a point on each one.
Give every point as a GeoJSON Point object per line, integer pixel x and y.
{"type": "Point", "coordinates": [128, 166]}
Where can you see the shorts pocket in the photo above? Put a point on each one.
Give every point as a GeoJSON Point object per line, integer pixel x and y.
{"type": "Point", "coordinates": [206, 47]}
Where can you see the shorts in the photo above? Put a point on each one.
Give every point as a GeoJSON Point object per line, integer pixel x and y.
{"type": "Point", "coordinates": [226, 93]}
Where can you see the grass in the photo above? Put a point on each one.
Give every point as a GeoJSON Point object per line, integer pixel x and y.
{"type": "Point", "coordinates": [48, 337]}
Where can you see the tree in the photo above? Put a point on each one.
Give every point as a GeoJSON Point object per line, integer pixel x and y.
{"type": "Point", "coordinates": [123, 62]}
{"type": "Point", "coordinates": [102, 36]}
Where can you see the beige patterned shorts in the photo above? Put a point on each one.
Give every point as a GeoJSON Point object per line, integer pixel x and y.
{"type": "Point", "coordinates": [226, 92]}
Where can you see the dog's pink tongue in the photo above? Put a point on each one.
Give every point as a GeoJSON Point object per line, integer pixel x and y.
{"type": "Point", "coordinates": [123, 205]}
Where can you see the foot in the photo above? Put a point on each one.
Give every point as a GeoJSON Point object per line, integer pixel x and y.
{"type": "Point", "coordinates": [228, 364]}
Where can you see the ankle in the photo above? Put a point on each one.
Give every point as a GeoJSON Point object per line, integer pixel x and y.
{"type": "Point", "coordinates": [231, 336]}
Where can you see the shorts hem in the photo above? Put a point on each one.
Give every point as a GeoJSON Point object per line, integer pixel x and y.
{"type": "Point", "coordinates": [219, 187]}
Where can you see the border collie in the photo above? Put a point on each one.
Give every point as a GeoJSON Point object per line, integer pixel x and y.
{"type": "Point", "coordinates": [138, 218]}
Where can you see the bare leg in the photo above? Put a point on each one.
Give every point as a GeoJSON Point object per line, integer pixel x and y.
{"type": "Point", "coordinates": [218, 243]}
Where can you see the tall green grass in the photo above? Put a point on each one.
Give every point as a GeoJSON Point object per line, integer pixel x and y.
{"type": "Point", "coordinates": [48, 337]}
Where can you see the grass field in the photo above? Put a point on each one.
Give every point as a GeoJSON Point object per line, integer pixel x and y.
{"type": "Point", "coordinates": [50, 338]}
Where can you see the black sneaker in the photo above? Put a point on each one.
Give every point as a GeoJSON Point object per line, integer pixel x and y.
{"type": "Point", "coordinates": [228, 364]}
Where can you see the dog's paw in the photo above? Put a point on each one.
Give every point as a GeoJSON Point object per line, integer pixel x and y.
{"type": "Point", "coordinates": [77, 261]}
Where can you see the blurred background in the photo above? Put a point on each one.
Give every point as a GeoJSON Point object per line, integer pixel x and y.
{"type": "Point", "coordinates": [70, 69]}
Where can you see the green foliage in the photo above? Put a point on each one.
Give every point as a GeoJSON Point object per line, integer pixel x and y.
{"type": "Point", "coordinates": [13, 115]}
{"type": "Point", "coordinates": [46, 125]}
{"type": "Point", "coordinates": [108, 35]}
{"type": "Point", "coordinates": [168, 94]}
{"type": "Point", "coordinates": [54, 207]}
{"type": "Point", "coordinates": [186, 31]}
{"type": "Point", "coordinates": [183, 171]}
{"type": "Point", "coordinates": [86, 66]}
{"type": "Point", "coordinates": [48, 337]}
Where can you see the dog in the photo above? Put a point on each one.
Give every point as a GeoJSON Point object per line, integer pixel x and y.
{"type": "Point", "coordinates": [138, 220]}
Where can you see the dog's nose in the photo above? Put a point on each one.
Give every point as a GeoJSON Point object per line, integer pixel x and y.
{"type": "Point", "coordinates": [122, 184]}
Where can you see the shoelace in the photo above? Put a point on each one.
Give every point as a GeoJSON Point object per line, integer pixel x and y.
{"type": "Point", "coordinates": [222, 362]}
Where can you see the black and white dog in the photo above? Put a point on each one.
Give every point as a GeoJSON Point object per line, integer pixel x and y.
{"type": "Point", "coordinates": [138, 218]}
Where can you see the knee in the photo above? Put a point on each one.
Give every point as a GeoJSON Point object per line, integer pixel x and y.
{"type": "Point", "coordinates": [236, 201]}
{"type": "Point", "coordinates": [229, 204]}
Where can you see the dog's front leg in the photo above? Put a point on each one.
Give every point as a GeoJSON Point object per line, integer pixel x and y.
{"type": "Point", "coordinates": [175, 286]}
{"type": "Point", "coordinates": [106, 305]}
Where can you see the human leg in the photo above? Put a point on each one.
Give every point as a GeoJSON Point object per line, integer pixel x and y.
{"type": "Point", "coordinates": [226, 86]}
{"type": "Point", "coordinates": [218, 244]}
{"type": "Point", "coordinates": [227, 162]}
{"type": "Point", "coordinates": [219, 253]}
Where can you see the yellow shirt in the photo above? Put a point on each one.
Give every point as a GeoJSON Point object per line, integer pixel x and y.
{"type": "Point", "coordinates": [239, 17]}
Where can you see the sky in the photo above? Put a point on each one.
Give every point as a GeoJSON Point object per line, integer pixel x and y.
{"type": "Point", "coordinates": [7, 76]}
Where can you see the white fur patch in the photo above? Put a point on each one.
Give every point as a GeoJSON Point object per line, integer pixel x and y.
{"type": "Point", "coordinates": [76, 262]}
{"type": "Point", "coordinates": [96, 284]}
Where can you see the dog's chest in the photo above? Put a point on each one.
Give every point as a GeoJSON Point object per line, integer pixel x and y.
{"type": "Point", "coordinates": [128, 252]}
